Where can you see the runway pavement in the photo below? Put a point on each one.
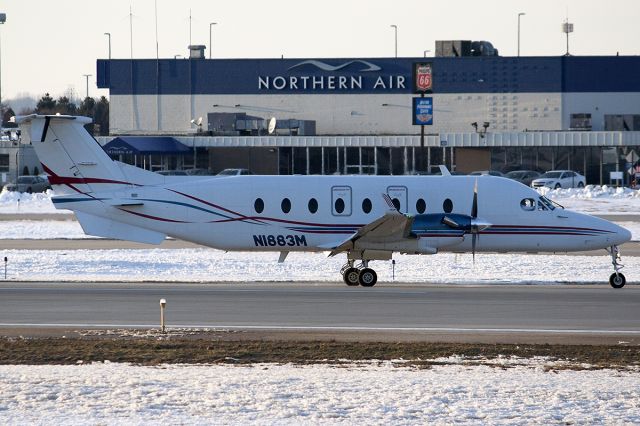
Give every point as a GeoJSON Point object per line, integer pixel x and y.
{"type": "Point", "coordinates": [498, 313]}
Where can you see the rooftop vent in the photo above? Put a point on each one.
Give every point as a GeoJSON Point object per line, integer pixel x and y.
{"type": "Point", "coordinates": [196, 51]}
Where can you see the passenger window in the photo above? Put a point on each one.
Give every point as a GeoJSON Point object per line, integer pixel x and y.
{"type": "Point", "coordinates": [421, 206]}
{"type": "Point", "coordinates": [313, 205]}
{"type": "Point", "coordinates": [366, 205]}
{"type": "Point", "coordinates": [286, 205]}
{"type": "Point", "coordinates": [258, 205]}
{"type": "Point", "coordinates": [396, 203]}
{"type": "Point", "coordinates": [339, 205]}
{"type": "Point", "coordinates": [528, 204]}
{"type": "Point", "coordinates": [447, 206]}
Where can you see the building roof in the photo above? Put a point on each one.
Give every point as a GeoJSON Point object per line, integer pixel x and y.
{"type": "Point", "coordinates": [145, 145]}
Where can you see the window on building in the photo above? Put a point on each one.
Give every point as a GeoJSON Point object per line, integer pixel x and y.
{"type": "Point", "coordinates": [299, 161]}
{"type": "Point", "coordinates": [315, 161]}
{"type": "Point", "coordinates": [330, 156]}
{"type": "Point", "coordinates": [4, 162]}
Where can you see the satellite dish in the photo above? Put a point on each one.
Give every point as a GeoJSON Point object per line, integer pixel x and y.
{"type": "Point", "coordinates": [271, 125]}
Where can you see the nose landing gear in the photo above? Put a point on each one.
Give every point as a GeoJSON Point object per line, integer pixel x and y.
{"type": "Point", "coordinates": [360, 275]}
{"type": "Point", "coordinates": [617, 280]}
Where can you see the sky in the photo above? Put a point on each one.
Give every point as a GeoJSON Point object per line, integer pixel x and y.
{"type": "Point", "coordinates": [47, 46]}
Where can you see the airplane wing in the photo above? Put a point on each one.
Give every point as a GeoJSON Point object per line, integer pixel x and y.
{"type": "Point", "coordinates": [392, 226]}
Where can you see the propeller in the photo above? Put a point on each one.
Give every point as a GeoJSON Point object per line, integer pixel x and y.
{"type": "Point", "coordinates": [474, 229]}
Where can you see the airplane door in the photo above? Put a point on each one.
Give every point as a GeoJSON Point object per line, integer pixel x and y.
{"type": "Point", "coordinates": [341, 200]}
{"type": "Point", "coordinates": [399, 196]}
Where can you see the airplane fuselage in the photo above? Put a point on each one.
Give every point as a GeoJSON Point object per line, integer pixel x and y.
{"type": "Point", "coordinates": [310, 213]}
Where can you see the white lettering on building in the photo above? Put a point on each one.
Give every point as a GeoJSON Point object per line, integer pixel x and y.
{"type": "Point", "coordinates": [330, 82]}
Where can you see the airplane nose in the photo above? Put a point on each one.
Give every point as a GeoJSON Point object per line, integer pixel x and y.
{"type": "Point", "coordinates": [622, 235]}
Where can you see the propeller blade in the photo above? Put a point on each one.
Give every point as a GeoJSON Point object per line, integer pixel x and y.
{"type": "Point", "coordinates": [474, 238]}
{"type": "Point", "coordinates": [474, 205]}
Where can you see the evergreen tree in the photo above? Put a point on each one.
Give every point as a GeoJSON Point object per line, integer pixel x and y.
{"type": "Point", "coordinates": [65, 106]}
{"type": "Point", "coordinates": [46, 105]}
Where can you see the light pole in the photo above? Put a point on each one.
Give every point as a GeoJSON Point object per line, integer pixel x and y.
{"type": "Point", "coordinates": [109, 35]}
{"type": "Point", "coordinates": [87, 77]}
{"type": "Point", "coordinates": [519, 15]}
{"type": "Point", "coordinates": [395, 29]}
{"type": "Point", "coordinates": [210, 39]}
{"type": "Point", "coordinates": [3, 19]}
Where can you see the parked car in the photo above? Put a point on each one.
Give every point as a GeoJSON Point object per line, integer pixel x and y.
{"type": "Point", "coordinates": [172, 173]}
{"type": "Point", "coordinates": [198, 172]}
{"type": "Point", "coordinates": [234, 172]}
{"type": "Point", "coordinates": [486, 172]}
{"type": "Point", "coordinates": [29, 184]}
{"type": "Point", "coordinates": [523, 176]}
{"type": "Point", "coordinates": [555, 179]}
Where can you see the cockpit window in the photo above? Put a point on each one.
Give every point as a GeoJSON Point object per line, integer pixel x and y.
{"type": "Point", "coordinates": [545, 204]}
{"type": "Point", "coordinates": [528, 204]}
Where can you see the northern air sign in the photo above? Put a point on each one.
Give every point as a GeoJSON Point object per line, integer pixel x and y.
{"type": "Point", "coordinates": [348, 76]}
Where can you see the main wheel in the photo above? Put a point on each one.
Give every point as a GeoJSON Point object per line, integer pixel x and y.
{"type": "Point", "coordinates": [368, 277]}
{"type": "Point", "coordinates": [351, 276]}
{"type": "Point", "coordinates": [617, 280]}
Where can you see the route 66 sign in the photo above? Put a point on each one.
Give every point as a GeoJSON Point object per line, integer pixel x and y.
{"type": "Point", "coordinates": [422, 77]}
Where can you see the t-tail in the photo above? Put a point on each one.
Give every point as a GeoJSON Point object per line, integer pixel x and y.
{"type": "Point", "coordinates": [73, 159]}
{"type": "Point", "coordinates": [86, 180]}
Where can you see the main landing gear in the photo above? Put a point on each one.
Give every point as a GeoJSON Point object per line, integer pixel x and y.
{"type": "Point", "coordinates": [360, 275]}
{"type": "Point", "coordinates": [617, 280]}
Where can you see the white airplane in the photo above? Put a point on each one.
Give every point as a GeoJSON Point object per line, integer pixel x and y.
{"type": "Point", "coordinates": [366, 217]}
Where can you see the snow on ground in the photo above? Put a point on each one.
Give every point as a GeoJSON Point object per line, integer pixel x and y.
{"type": "Point", "coordinates": [209, 265]}
{"type": "Point", "coordinates": [107, 393]}
{"type": "Point", "coordinates": [41, 230]}
{"type": "Point", "coordinates": [18, 202]}
{"type": "Point", "coordinates": [596, 199]}
{"type": "Point", "coordinates": [592, 199]}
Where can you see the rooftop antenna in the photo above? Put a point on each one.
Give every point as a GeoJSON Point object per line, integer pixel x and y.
{"type": "Point", "coordinates": [131, 30]}
{"type": "Point", "coordinates": [189, 27]}
{"type": "Point", "coordinates": [567, 28]}
{"type": "Point", "coordinates": [157, 48]}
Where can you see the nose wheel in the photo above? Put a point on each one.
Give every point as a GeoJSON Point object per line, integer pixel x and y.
{"type": "Point", "coordinates": [361, 275]}
{"type": "Point", "coordinates": [617, 279]}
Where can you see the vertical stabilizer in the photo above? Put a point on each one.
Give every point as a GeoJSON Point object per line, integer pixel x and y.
{"type": "Point", "coordinates": [73, 159]}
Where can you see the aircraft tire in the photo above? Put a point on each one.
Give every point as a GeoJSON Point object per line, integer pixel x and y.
{"type": "Point", "coordinates": [617, 280]}
{"type": "Point", "coordinates": [368, 277]}
{"type": "Point", "coordinates": [351, 277]}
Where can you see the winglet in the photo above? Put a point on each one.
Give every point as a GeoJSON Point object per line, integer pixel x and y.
{"type": "Point", "coordinates": [444, 170]}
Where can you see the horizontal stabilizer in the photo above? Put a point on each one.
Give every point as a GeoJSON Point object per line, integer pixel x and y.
{"type": "Point", "coordinates": [101, 227]}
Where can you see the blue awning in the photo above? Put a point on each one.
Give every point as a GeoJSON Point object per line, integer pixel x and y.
{"type": "Point", "coordinates": [145, 145]}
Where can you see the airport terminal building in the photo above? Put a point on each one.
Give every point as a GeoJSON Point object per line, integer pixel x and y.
{"type": "Point", "coordinates": [357, 115]}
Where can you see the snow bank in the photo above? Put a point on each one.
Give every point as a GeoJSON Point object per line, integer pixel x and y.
{"type": "Point", "coordinates": [319, 394]}
{"type": "Point", "coordinates": [17, 202]}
